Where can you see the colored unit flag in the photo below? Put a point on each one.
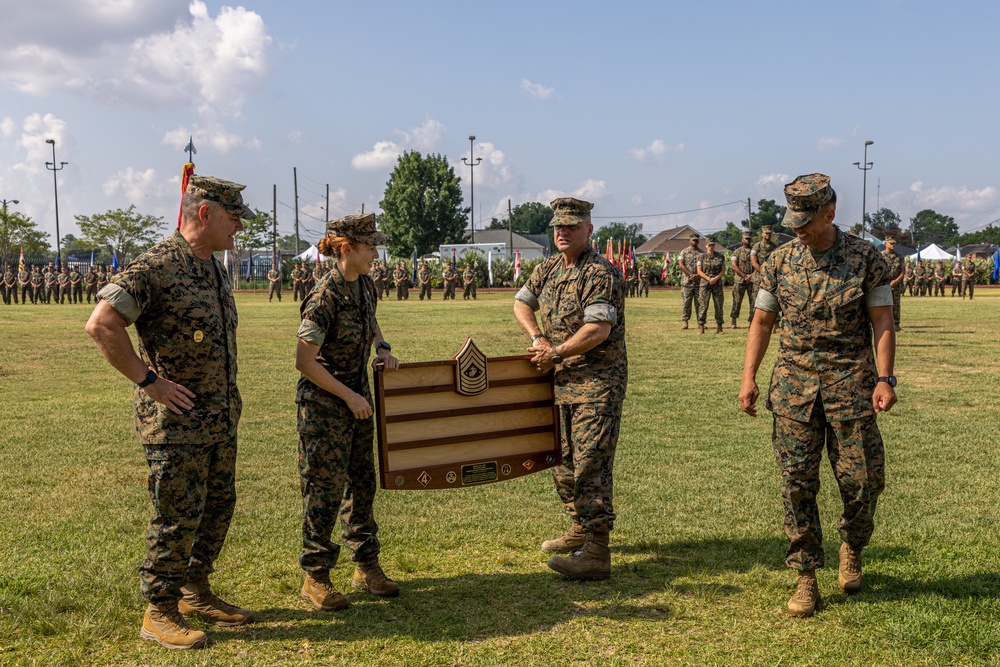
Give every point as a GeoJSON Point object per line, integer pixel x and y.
{"type": "Point", "coordinates": [517, 265]}
{"type": "Point", "coordinates": [91, 256]}
{"type": "Point", "coordinates": [996, 265]}
{"type": "Point", "coordinates": [453, 260]}
{"type": "Point", "coordinates": [114, 260]}
{"type": "Point", "coordinates": [489, 267]}
{"type": "Point", "coordinates": [20, 262]}
{"type": "Point", "coordinates": [250, 266]}
{"type": "Point", "coordinates": [185, 175]}
{"type": "Point", "coordinates": [632, 261]}
{"type": "Point", "coordinates": [666, 265]}
{"type": "Point", "coordinates": [414, 278]}
{"type": "Point", "coordinates": [609, 253]}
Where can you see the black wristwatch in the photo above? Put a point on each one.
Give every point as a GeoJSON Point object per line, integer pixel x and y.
{"type": "Point", "coordinates": [556, 358]}
{"type": "Point", "coordinates": [536, 337]}
{"type": "Point", "coordinates": [888, 379]}
{"type": "Point", "coordinates": [383, 346]}
{"type": "Point", "coordinates": [151, 377]}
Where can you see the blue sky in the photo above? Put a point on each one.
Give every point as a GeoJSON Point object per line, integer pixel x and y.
{"type": "Point", "coordinates": [644, 108]}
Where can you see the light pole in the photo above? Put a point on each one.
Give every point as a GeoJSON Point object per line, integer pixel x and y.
{"type": "Point", "coordinates": [51, 166]}
{"type": "Point", "coordinates": [864, 184]}
{"type": "Point", "coordinates": [472, 162]}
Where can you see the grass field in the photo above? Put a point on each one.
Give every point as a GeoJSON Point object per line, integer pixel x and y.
{"type": "Point", "coordinates": [697, 553]}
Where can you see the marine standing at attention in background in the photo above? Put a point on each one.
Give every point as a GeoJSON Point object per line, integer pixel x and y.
{"type": "Point", "coordinates": [742, 277]}
{"type": "Point", "coordinates": [187, 404]}
{"type": "Point", "coordinates": [897, 275]}
{"type": "Point", "coordinates": [580, 297]}
{"type": "Point", "coordinates": [711, 269]}
{"type": "Point", "coordinates": [833, 292]}
{"type": "Point", "coordinates": [688, 263]}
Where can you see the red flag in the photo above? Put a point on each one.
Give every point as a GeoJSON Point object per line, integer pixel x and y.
{"type": "Point", "coordinates": [666, 264]}
{"type": "Point", "coordinates": [517, 264]}
{"type": "Point", "coordinates": [185, 175]}
{"type": "Point", "coordinates": [609, 254]}
{"type": "Point", "coordinates": [20, 262]}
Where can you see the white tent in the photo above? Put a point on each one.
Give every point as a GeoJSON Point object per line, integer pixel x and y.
{"type": "Point", "coordinates": [312, 254]}
{"type": "Point", "coordinates": [932, 252]}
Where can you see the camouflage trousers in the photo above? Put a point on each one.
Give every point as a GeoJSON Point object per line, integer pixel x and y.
{"type": "Point", "coordinates": [193, 489]}
{"type": "Point", "coordinates": [470, 290]}
{"type": "Point", "coordinates": [643, 288]}
{"type": "Point", "coordinates": [337, 478]}
{"type": "Point", "coordinates": [968, 285]}
{"type": "Point", "coordinates": [275, 289]}
{"type": "Point", "coordinates": [897, 299]}
{"type": "Point", "coordinates": [402, 292]}
{"type": "Point", "coordinates": [956, 286]}
{"type": "Point", "coordinates": [449, 291]}
{"type": "Point", "coordinates": [589, 436]}
{"type": "Point", "coordinates": [425, 290]}
{"type": "Point", "coordinates": [717, 294]}
{"type": "Point", "coordinates": [739, 290]}
{"type": "Point", "coordinates": [4, 293]}
{"type": "Point", "coordinates": [689, 295]}
{"type": "Point", "coordinates": [857, 456]}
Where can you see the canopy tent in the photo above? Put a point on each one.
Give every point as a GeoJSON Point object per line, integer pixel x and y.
{"type": "Point", "coordinates": [932, 252]}
{"type": "Point", "coordinates": [312, 254]}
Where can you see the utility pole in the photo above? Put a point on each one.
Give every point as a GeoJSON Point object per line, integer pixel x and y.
{"type": "Point", "coordinates": [864, 188]}
{"type": "Point", "coordinates": [295, 181]}
{"type": "Point", "coordinates": [327, 202]}
{"type": "Point", "coordinates": [749, 213]}
{"type": "Point", "coordinates": [274, 233]}
{"type": "Point", "coordinates": [510, 228]}
{"type": "Point", "coordinates": [472, 163]}
{"type": "Point", "coordinates": [51, 166]}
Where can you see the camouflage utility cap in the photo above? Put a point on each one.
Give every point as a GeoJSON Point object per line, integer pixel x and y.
{"type": "Point", "coordinates": [890, 241]}
{"type": "Point", "coordinates": [358, 228]}
{"type": "Point", "coordinates": [805, 195]}
{"type": "Point", "coordinates": [766, 229]}
{"type": "Point", "coordinates": [694, 235]}
{"type": "Point", "coordinates": [710, 239]}
{"type": "Point", "coordinates": [570, 212]}
{"type": "Point", "coordinates": [747, 235]}
{"type": "Point", "coordinates": [221, 192]}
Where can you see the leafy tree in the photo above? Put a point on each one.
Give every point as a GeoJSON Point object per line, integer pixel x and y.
{"type": "Point", "coordinates": [19, 232]}
{"type": "Point", "coordinates": [932, 227]}
{"type": "Point", "coordinates": [883, 222]}
{"type": "Point", "coordinates": [768, 213]}
{"type": "Point", "coordinates": [80, 249]}
{"type": "Point", "coordinates": [990, 234]}
{"type": "Point", "coordinates": [257, 234]}
{"type": "Point", "coordinates": [618, 231]}
{"type": "Point", "coordinates": [731, 235]}
{"type": "Point", "coordinates": [422, 204]}
{"type": "Point", "coordinates": [126, 232]}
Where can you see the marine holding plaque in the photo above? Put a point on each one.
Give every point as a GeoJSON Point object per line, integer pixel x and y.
{"type": "Point", "coordinates": [335, 414]}
{"type": "Point", "coordinates": [581, 299]}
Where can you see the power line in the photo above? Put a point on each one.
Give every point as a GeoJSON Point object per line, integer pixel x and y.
{"type": "Point", "coordinates": [659, 215]}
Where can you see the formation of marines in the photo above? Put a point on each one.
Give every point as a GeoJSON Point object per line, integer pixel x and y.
{"type": "Point", "coordinates": [36, 285]}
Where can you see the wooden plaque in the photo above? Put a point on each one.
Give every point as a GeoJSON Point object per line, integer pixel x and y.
{"type": "Point", "coordinates": [464, 421]}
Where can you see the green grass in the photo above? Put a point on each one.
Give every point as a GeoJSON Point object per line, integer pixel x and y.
{"type": "Point", "coordinates": [697, 577]}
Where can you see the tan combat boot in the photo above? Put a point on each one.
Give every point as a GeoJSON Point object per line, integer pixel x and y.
{"type": "Point", "coordinates": [368, 576]}
{"type": "Point", "coordinates": [734, 324]}
{"type": "Point", "coordinates": [806, 597]}
{"type": "Point", "coordinates": [201, 602]}
{"type": "Point", "coordinates": [701, 328]}
{"type": "Point", "coordinates": [318, 590]}
{"type": "Point", "coordinates": [164, 625]}
{"type": "Point", "coordinates": [684, 325]}
{"type": "Point", "coordinates": [566, 543]}
{"type": "Point", "coordinates": [849, 573]}
{"type": "Point", "coordinates": [718, 330]}
{"type": "Point", "coordinates": [592, 562]}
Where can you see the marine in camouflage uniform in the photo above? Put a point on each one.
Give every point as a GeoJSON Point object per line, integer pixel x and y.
{"type": "Point", "coordinates": [833, 290]}
{"type": "Point", "coordinates": [758, 255]}
{"type": "Point", "coordinates": [908, 278]}
{"type": "Point", "coordinates": [335, 419]}
{"type": "Point", "coordinates": [688, 263]}
{"type": "Point", "coordinates": [401, 277]}
{"type": "Point", "coordinates": [297, 282]}
{"type": "Point", "coordinates": [469, 282]}
{"type": "Point", "coordinates": [378, 278]}
{"type": "Point", "coordinates": [37, 286]}
{"type": "Point", "coordinates": [187, 404]}
{"type": "Point", "coordinates": [274, 278]}
{"type": "Point", "coordinates": [90, 280]}
{"type": "Point", "coordinates": [51, 286]}
{"type": "Point", "coordinates": [424, 279]}
{"type": "Point", "coordinates": [968, 277]}
{"type": "Point", "coordinates": [76, 286]}
{"type": "Point", "coordinates": [8, 285]}
{"type": "Point", "coordinates": [711, 269]}
{"type": "Point", "coordinates": [65, 288]}
{"type": "Point", "coordinates": [920, 278]}
{"type": "Point", "coordinates": [24, 284]}
{"type": "Point", "coordinates": [632, 281]}
{"type": "Point", "coordinates": [956, 279]}
{"type": "Point", "coordinates": [450, 278]}
{"type": "Point", "coordinates": [896, 263]}
{"type": "Point", "coordinates": [742, 278]}
{"type": "Point", "coordinates": [940, 276]}
{"type": "Point", "coordinates": [102, 277]}
{"type": "Point", "coordinates": [580, 297]}
{"type": "Point", "coordinates": [644, 281]}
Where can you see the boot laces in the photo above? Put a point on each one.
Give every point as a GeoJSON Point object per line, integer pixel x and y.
{"type": "Point", "coordinates": [807, 588]}
{"type": "Point", "coordinates": [853, 560]}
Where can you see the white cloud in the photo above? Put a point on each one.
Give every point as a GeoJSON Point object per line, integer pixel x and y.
{"type": "Point", "coordinates": [827, 143]}
{"type": "Point", "coordinates": [384, 153]}
{"type": "Point", "coordinates": [773, 179]}
{"type": "Point", "coordinates": [493, 172]}
{"type": "Point", "coordinates": [134, 185]}
{"type": "Point", "coordinates": [7, 127]}
{"type": "Point", "coordinates": [949, 198]}
{"type": "Point", "coordinates": [214, 135]}
{"type": "Point", "coordinates": [295, 137]}
{"type": "Point", "coordinates": [536, 90]}
{"type": "Point", "coordinates": [138, 53]}
{"type": "Point", "coordinates": [590, 190]}
{"type": "Point", "coordinates": [656, 150]}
